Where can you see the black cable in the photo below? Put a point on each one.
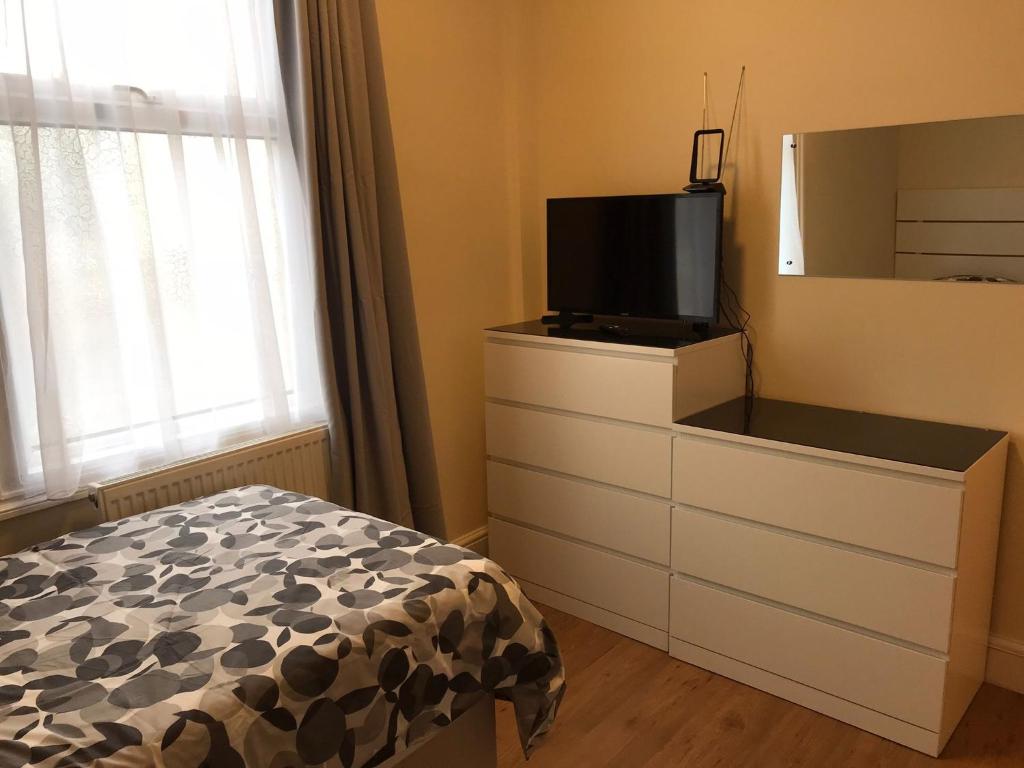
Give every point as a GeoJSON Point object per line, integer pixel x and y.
{"type": "Point", "coordinates": [740, 321]}
{"type": "Point", "coordinates": [736, 315]}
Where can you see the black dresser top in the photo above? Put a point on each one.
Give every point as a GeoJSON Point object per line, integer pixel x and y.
{"type": "Point", "coordinates": [910, 441]}
{"type": "Point", "coordinates": [660, 334]}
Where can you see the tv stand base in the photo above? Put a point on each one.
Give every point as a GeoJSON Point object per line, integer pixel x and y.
{"type": "Point", "coordinates": [566, 319]}
{"type": "Point", "coordinates": [701, 330]}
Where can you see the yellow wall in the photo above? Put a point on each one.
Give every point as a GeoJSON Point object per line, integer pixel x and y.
{"type": "Point", "coordinates": [614, 90]}
{"type": "Point", "coordinates": [445, 66]}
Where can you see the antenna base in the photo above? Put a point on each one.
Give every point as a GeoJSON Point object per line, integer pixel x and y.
{"type": "Point", "coordinates": [705, 187]}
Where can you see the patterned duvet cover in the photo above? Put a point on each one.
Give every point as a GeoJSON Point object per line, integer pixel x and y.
{"type": "Point", "coordinates": [257, 627]}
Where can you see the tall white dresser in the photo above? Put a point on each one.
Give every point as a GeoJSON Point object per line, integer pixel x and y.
{"type": "Point", "coordinates": [841, 560]}
{"type": "Point", "coordinates": [579, 463]}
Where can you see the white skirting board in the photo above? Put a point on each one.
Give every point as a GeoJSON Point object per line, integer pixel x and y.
{"type": "Point", "coordinates": [475, 540]}
{"type": "Point", "coordinates": [1005, 666]}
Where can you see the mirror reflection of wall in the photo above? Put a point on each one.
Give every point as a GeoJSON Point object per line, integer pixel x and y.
{"type": "Point", "coordinates": [919, 202]}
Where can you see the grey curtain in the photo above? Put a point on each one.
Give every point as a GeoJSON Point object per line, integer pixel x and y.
{"type": "Point", "coordinates": [382, 449]}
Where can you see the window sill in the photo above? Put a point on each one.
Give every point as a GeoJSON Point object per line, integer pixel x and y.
{"type": "Point", "coordinates": [13, 508]}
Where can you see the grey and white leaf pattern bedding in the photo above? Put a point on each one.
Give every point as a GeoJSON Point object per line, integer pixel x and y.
{"type": "Point", "coordinates": [257, 627]}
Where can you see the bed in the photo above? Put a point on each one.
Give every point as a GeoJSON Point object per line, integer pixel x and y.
{"type": "Point", "coordinates": [258, 627]}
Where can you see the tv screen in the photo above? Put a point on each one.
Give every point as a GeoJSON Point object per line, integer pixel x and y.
{"type": "Point", "coordinates": [639, 255]}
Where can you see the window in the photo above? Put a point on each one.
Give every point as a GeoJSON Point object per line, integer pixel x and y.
{"type": "Point", "coordinates": [156, 281]}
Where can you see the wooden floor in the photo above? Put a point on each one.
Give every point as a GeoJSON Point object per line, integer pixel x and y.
{"type": "Point", "coordinates": [630, 705]}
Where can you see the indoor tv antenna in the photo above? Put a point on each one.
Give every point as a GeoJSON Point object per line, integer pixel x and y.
{"type": "Point", "coordinates": [710, 180]}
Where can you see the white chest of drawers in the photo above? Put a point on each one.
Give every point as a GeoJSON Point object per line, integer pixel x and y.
{"type": "Point", "coordinates": [579, 465]}
{"type": "Point", "coordinates": [841, 560]}
{"type": "Point", "coordinates": [856, 581]}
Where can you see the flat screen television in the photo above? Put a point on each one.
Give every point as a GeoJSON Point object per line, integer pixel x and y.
{"type": "Point", "coordinates": [654, 256]}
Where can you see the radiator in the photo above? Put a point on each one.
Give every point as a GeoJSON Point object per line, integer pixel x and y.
{"type": "Point", "coordinates": [298, 461]}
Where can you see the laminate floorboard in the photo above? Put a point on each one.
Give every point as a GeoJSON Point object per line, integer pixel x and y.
{"type": "Point", "coordinates": [630, 705]}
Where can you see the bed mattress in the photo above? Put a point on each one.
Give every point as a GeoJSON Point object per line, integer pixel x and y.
{"type": "Point", "coordinates": [258, 627]}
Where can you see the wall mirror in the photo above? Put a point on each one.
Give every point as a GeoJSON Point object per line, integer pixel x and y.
{"type": "Point", "coordinates": [926, 201]}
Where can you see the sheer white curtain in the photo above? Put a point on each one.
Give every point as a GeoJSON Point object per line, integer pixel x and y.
{"type": "Point", "coordinates": [156, 295]}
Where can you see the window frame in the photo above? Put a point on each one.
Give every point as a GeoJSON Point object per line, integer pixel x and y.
{"type": "Point", "coordinates": [25, 101]}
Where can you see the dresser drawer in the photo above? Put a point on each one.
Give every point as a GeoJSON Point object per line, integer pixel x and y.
{"type": "Point", "coordinates": [638, 458]}
{"type": "Point", "coordinates": [882, 676]}
{"type": "Point", "coordinates": [621, 521]}
{"type": "Point", "coordinates": [909, 603]}
{"type": "Point", "coordinates": [617, 387]}
{"type": "Point", "coordinates": [616, 584]}
{"type": "Point", "coordinates": [918, 519]}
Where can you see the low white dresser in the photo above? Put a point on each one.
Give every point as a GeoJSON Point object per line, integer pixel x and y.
{"type": "Point", "coordinates": [579, 462]}
{"type": "Point", "coordinates": [841, 560]}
